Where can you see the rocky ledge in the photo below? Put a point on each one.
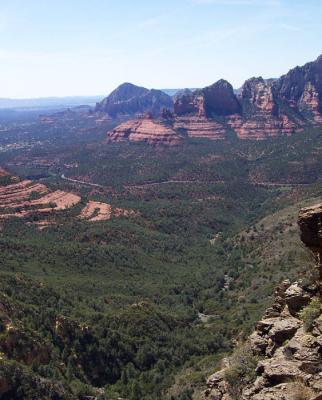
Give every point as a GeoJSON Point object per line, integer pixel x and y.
{"type": "Point", "coordinates": [282, 359]}
{"type": "Point", "coordinates": [147, 130]}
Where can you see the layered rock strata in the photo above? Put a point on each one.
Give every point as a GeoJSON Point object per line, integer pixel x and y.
{"type": "Point", "coordinates": [262, 109]}
{"type": "Point", "coordinates": [146, 130]}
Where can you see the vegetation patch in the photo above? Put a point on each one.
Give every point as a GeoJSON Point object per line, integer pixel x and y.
{"type": "Point", "coordinates": [310, 313]}
{"type": "Point", "coordinates": [241, 370]}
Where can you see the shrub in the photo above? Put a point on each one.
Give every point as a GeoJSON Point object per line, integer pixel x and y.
{"type": "Point", "coordinates": [310, 313]}
{"type": "Point", "coordinates": [241, 370]}
{"type": "Point", "coordinates": [185, 395]}
{"type": "Point", "coordinates": [299, 391]}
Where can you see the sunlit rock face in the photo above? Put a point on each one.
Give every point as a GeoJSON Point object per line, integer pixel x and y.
{"type": "Point", "coordinates": [263, 108]}
{"type": "Point", "coordinates": [145, 130]}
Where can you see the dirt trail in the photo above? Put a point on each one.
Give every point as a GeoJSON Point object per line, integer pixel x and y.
{"type": "Point", "coordinates": [80, 182]}
{"type": "Point", "coordinates": [272, 184]}
{"type": "Point", "coordinates": [171, 181]}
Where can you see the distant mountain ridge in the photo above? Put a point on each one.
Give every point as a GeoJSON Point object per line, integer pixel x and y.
{"type": "Point", "coordinates": [175, 92]}
{"type": "Point", "coordinates": [129, 99]}
{"type": "Point", "coordinates": [261, 109]}
{"type": "Point", "coordinates": [48, 102]}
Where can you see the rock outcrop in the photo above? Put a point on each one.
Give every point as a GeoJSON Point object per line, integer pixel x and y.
{"type": "Point", "coordinates": [261, 117]}
{"type": "Point", "coordinates": [200, 127]}
{"type": "Point", "coordinates": [262, 108]}
{"type": "Point", "coordinates": [310, 222]}
{"type": "Point", "coordinates": [283, 356]}
{"type": "Point", "coordinates": [131, 100]}
{"type": "Point", "coordinates": [301, 87]}
{"type": "Point", "coordinates": [220, 99]}
{"type": "Point", "coordinates": [145, 130]}
{"type": "Point", "coordinates": [216, 100]}
{"type": "Point", "coordinates": [194, 111]}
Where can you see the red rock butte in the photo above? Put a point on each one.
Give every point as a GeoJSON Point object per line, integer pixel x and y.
{"type": "Point", "coordinates": [146, 130]}
{"type": "Point", "coordinates": [262, 109]}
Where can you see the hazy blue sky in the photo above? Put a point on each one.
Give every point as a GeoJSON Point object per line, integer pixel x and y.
{"type": "Point", "coordinates": [87, 47]}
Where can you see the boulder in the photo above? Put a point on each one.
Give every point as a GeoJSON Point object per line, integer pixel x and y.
{"type": "Point", "coordinates": [296, 298]}
{"type": "Point", "coordinates": [278, 370]}
{"type": "Point", "coordinates": [278, 329]}
{"type": "Point", "coordinates": [305, 348]}
{"type": "Point", "coordinates": [258, 343]}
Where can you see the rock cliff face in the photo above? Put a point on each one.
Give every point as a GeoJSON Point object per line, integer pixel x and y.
{"type": "Point", "coordinates": [145, 130]}
{"type": "Point", "coordinates": [194, 111]}
{"type": "Point", "coordinates": [215, 100]}
{"type": "Point", "coordinates": [282, 359]}
{"type": "Point", "coordinates": [262, 109]}
{"type": "Point", "coordinates": [294, 84]}
{"type": "Point", "coordinates": [220, 99]}
{"type": "Point", "coordinates": [129, 100]}
{"type": "Point", "coordinates": [200, 127]}
{"type": "Point", "coordinates": [310, 222]}
{"type": "Point", "coordinates": [261, 117]}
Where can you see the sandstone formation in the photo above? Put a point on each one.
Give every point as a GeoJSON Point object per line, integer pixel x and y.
{"type": "Point", "coordinates": [98, 211]}
{"type": "Point", "coordinates": [200, 127]}
{"type": "Point", "coordinates": [147, 130]}
{"type": "Point", "coordinates": [301, 87]}
{"type": "Point", "coordinates": [261, 117]}
{"type": "Point", "coordinates": [215, 100]}
{"type": "Point", "coordinates": [28, 199]}
{"type": "Point", "coordinates": [220, 99]}
{"type": "Point", "coordinates": [262, 108]}
{"type": "Point", "coordinates": [194, 111]}
{"type": "Point", "coordinates": [261, 126]}
{"type": "Point", "coordinates": [129, 99]}
{"type": "Point", "coordinates": [286, 354]}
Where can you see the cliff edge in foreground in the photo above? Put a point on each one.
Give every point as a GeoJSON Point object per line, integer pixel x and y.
{"type": "Point", "coordinates": [282, 359]}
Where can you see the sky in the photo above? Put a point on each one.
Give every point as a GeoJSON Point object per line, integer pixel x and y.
{"type": "Point", "coordinates": [88, 47]}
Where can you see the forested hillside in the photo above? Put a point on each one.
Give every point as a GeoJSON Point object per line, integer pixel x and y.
{"type": "Point", "coordinates": [142, 305]}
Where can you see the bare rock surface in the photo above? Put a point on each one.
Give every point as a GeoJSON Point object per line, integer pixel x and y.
{"type": "Point", "coordinates": [263, 109]}
{"type": "Point", "coordinates": [145, 130]}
